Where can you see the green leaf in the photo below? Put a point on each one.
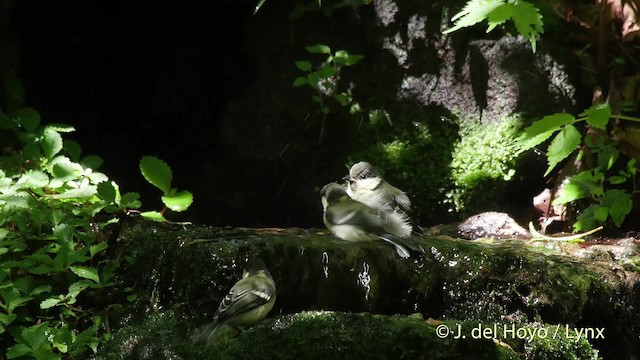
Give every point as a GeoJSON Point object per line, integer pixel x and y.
{"type": "Point", "coordinates": [65, 170]}
{"type": "Point", "coordinates": [570, 192]}
{"type": "Point", "coordinates": [64, 232]}
{"type": "Point", "coordinates": [341, 98]}
{"type": "Point", "coordinates": [528, 21]}
{"type": "Point", "coordinates": [499, 16]}
{"type": "Point", "coordinates": [617, 179]}
{"type": "Point", "coordinates": [106, 192]}
{"type": "Point", "coordinates": [178, 202]}
{"type": "Point", "coordinates": [600, 213]}
{"type": "Point", "coordinates": [542, 129]}
{"type": "Point", "coordinates": [607, 156]}
{"type": "Point", "coordinates": [299, 81]}
{"type": "Point", "coordinates": [619, 204]}
{"type": "Point", "coordinates": [318, 49]}
{"type": "Point", "coordinates": [304, 65]}
{"type": "Point", "coordinates": [130, 200]}
{"type": "Point", "coordinates": [86, 272]}
{"type": "Point", "coordinates": [36, 336]}
{"type": "Point", "coordinates": [51, 302]}
{"type": "Point", "coordinates": [563, 145]}
{"type": "Point", "coordinates": [94, 249]}
{"type": "Point", "coordinates": [353, 59]}
{"type": "Point", "coordinates": [51, 142]}
{"type": "Point", "coordinates": [153, 215]}
{"type": "Point", "coordinates": [18, 350]}
{"type": "Point", "coordinates": [12, 299]}
{"type": "Point", "coordinates": [586, 220]}
{"type": "Point", "coordinates": [28, 118]}
{"type": "Point", "coordinates": [156, 172]}
{"type": "Point", "coordinates": [33, 179]}
{"type": "Point", "coordinates": [598, 116]}
{"type": "Point", "coordinates": [91, 162]}
{"type": "Point", "coordinates": [473, 12]}
{"type": "Point", "coordinates": [326, 72]}
{"type": "Point", "coordinates": [73, 149]}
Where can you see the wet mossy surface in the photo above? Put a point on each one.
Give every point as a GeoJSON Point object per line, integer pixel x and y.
{"type": "Point", "coordinates": [339, 335]}
{"type": "Point", "coordinates": [188, 269]}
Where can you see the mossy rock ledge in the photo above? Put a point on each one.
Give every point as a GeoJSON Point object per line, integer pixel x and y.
{"type": "Point", "coordinates": [507, 300]}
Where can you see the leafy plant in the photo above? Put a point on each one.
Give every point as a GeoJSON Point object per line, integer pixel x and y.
{"type": "Point", "coordinates": [525, 16]}
{"type": "Point", "coordinates": [324, 78]}
{"type": "Point", "coordinates": [159, 174]}
{"type": "Point", "coordinates": [54, 269]}
{"type": "Point", "coordinates": [597, 183]}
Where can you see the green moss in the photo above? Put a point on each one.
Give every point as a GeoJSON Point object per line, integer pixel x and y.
{"type": "Point", "coordinates": [338, 335]}
{"type": "Point", "coordinates": [483, 160]}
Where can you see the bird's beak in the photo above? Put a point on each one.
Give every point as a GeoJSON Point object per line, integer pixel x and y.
{"type": "Point", "coordinates": [347, 178]}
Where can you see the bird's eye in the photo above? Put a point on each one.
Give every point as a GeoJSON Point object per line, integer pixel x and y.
{"type": "Point", "coordinates": [363, 176]}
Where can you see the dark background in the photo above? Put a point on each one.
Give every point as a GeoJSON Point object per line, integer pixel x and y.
{"type": "Point", "coordinates": [137, 78]}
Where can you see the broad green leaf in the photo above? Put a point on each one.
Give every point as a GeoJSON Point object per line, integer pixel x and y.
{"type": "Point", "coordinates": [40, 290]}
{"type": "Point", "coordinates": [341, 98]}
{"type": "Point", "coordinates": [33, 179]}
{"type": "Point", "coordinates": [528, 21]}
{"type": "Point", "coordinates": [51, 302]}
{"type": "Point", "coordinates": [82, 193]}
{"type": "Point", "coordinates": [86, 272]}
{"type": "Point", "coordinates": [631, 166]}
{"type": "Point", "coordinates": [130, 200]}
{"type": "Point", "coordinates": [18, 350]}
{"type": "Point", "coordinates": [153, 215]}
{"type": "Point", "coordinates": [94, 249]}
{"type": "Point", "coordinates": [600, 213]}
{"type": "Point", "coordinates": [598, 116]}
{"type": "Point", "coordinates": [51, 142]}
{"type": "Point", "coordinates": [63, 128]}
{"type": "Point", "coordinates": [72, 149]}
{"type": "Point", "coordinates": [64, 232]}
{"type": "Point", "coordinates": [77, 287]}
{"type": "Point", "coordinates": [28, 118]}
{"type": "Point", "coordinates": [542, 129]}
{"type": "Point", "coordinates": [7, 319]}
{"type": "Point", "coordinates": [156, 172]}
{"type": "Point", "coordinates": [499, 16]}
{"type": "Point", "coordinates": [91, 162]}
{"type": "Point", "coordinates": [473, 12]}
{"type": "Point", "coordinates": [36, 336]}
{"type": "Point", "coordinates": [326, 72]}
{"type": "Point", "coordinates": [13, 299]}
{"type": "Point", "coordinates": [353, 59]}
{"type": "Point", "coordinates": [106, 192]}
{"type": "Point", "coordinates": [607, 156]}
{"type": "Point", "coordinates": [570, 192]}
{"type": "Point", "coordinates": [96, 177]}
{"type": "Point", "coordinates": [586, 220]}
{"type": "Point", "coordinates": [619, 204]}
{"type": "Point", "coordinates": [617, 179]}
{"type": "Point", "coordinates": [299, 81]}
{"type": "Point", "coordinates": [178, 202]}
{"type": "Point", "coordinates": [304, 65]}
{"type": "Point", "coordinates": [318, 49]}
{"type": "Point", "coordinates": [563, 145]}
{"type": "Point", "coordinates": [64, 169]}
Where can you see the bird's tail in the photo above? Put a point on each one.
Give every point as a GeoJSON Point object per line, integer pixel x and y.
{"type": "Point", "coordinates": [403, 246]}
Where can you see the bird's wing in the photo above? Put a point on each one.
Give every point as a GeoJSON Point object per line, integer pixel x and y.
{"type": "Point", "coordinates": [245, 295]}
{"type": "Point", "coordinates": [350, 212]}
{"type": "Point", "coordinates": [401, 200]}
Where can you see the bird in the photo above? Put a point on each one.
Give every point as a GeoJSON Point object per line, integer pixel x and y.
{"type": "Point", "coordinates": [353, 221]}
{"type": "Point", "coordinates": [366, 185]}
{"type": "Point", "coordinates": [247, 302]}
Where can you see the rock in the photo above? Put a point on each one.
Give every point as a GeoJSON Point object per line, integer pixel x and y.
{"type": "Point", "coordinates": [494, 225]}
{"type": "Point", "coordinates": [188, 269]}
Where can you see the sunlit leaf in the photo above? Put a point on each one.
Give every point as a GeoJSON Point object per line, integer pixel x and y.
{"type": "Point", "coordinates": [565, 143]}
{"type": "Point", "coordinates": [542, 129]}
{"type": "Point", "coordinates": [156, 172]}
{"type": "Point", "coordinates": [178, 202]}
{"type": "Point", "coordinates": [86, 272]}
{"type": "Point", "coordinates": [598, 115]}
{"type": "Point", "coordinates": [153, 215]}
{"type": "Point", "coordinates": [318, 49]}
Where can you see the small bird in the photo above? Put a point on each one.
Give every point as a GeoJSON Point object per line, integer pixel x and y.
{"type": "Point", "coordinates": [354, 221]}
{"type": "Point", "coordinates": [248, 301]}
{"type": "Point", "coordinates": [366, 185]}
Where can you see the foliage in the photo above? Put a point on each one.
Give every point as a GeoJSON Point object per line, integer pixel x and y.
{"type": "Point", "coordinates": [54, 270]}
{"type": "Point", "coordinates": [525, 16]}
{"type": "Point", "coordinates": [325, 77]}
{"type": "Point", "coordinates": [601, 182]}
{"type": "Point", "coordinates": [159, 174]}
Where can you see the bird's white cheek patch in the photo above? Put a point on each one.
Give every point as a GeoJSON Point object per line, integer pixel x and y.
{"type": "Point", "coordinates": [368, 184]}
